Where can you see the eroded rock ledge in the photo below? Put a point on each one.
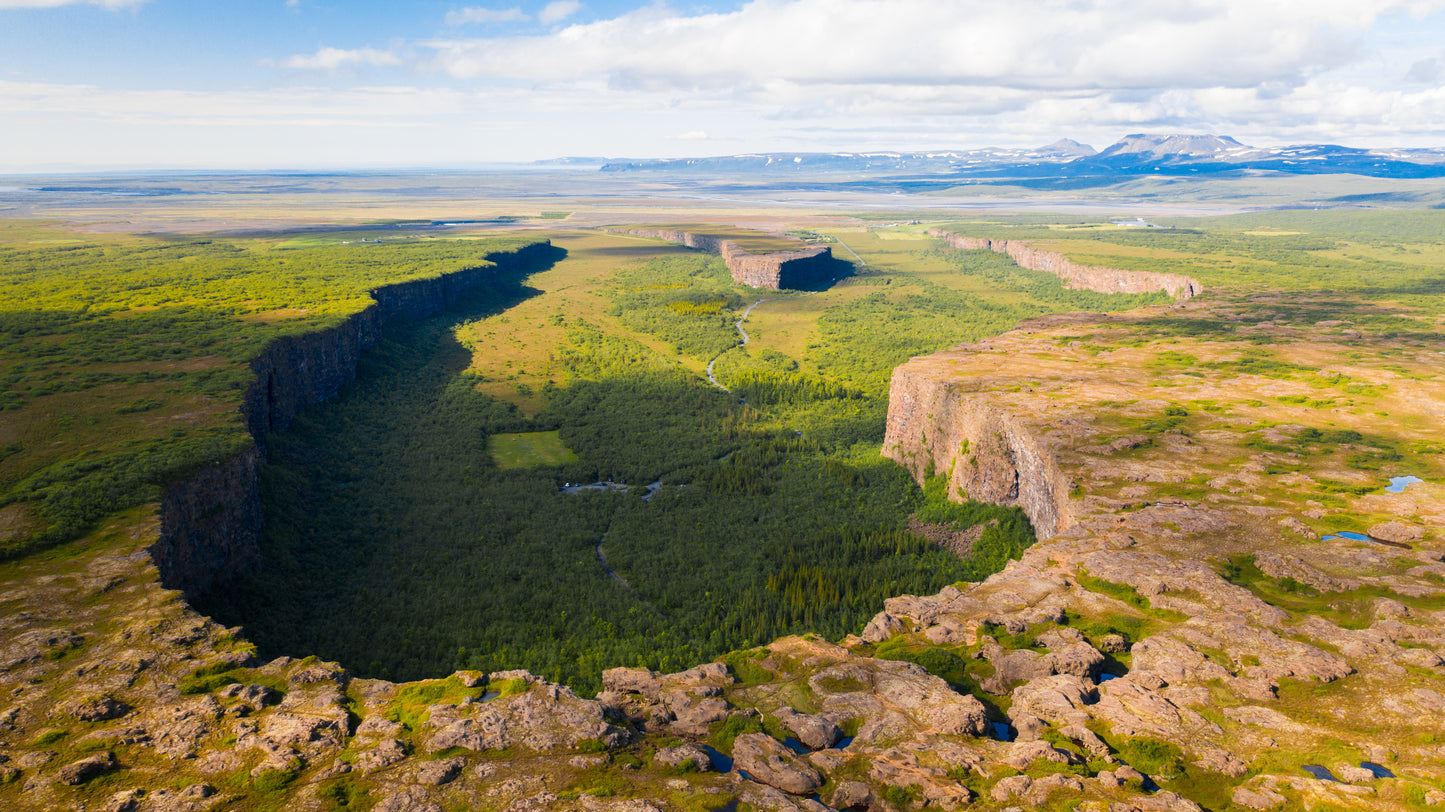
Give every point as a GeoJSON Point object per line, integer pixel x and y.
{"type": "Point", "coordinates": [1079, 277]}
{"type": "Point", "coordinates": [210, 521]}
{"type": "Point", "coordinates": [776, 270]}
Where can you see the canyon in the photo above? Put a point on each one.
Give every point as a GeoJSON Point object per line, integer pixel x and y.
{"type": "Point", "coordinates": [1179, 639]}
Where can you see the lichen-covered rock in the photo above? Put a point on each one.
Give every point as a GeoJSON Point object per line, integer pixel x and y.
{"type": "Point", "coordinates": [1397, 532]}
{"type": "Point", "coordinates": [815, 732]}
{"type": "Point", "coordinates": [1261, 798]}
{"type": "Point", "coordinates": [763, 758]}
{"type": "Point", "coordinates": [542, 719]}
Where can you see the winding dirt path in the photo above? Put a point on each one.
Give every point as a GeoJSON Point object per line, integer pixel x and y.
{"type": "Point", "coordinates": [741, 332]}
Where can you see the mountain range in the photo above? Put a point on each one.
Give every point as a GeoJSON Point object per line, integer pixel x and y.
{"type": "Point", "coordinates": [1138, 154]}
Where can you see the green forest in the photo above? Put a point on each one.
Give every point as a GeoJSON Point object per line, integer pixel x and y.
{"type": "Point", "coordinates": [395, 544]}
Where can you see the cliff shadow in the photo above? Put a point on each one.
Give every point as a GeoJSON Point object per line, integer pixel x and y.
{"type": "Point", "coordinates": [826, 276]}
{"type": "Point", "coordinates": [321, 522]}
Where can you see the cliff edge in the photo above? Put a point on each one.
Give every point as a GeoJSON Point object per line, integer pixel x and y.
{"type": "Point", "coordinates": [1079, 277]}
{"type": "Point", "coordinates": [936, 426]}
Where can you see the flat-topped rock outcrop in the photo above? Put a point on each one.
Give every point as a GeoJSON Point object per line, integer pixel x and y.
{"type": "Point", "coordinates": [1083, 277]}
{"type": "Point", "coordinates": [775, 270]}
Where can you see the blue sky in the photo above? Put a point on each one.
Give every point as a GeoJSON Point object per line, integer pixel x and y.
{"type": "Point", "coordinates": [110, 84]}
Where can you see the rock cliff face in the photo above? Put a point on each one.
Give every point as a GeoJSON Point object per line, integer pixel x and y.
{"type": "Point", "coordinates": [211, 520]}
{"type": "Point", "coordinates": [1080, 277]}
{"type": "Point", "coordinates": [778, 270]}
{"type": "Point", "coordinates": [988, 454]}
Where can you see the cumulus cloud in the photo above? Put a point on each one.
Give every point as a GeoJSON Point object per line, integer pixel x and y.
{"type": "Point", "coordinates": [693, 135]}
{"type": "Point", "coordinates": [1037, 45]}
{"type": "Point", "coordinates": [4, 4]}
{"type": "Point", "coordinates": [557, 11]}
{"type": "Point", "coordinates": [485, 15]}
{"type": "Point", "coordinates": [328, 59]}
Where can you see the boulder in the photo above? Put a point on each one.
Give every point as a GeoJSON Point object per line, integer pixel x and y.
{"type": "Point", "coordinates": [815, 732]}
{"type": "Point", "coordinates": [1396, 532]}
{"type": "Point", "coordinates": [1257, 799]}
{"type": "Point", "coordinates": [769, 762]}
{"type": "Point", "coordinates": [97, 709]}
{"type": "Point", "coordinates": [78, 772]}
{"type": "Point", "coordinates": [442, 771]}
{"type": "Point", "coordinates": [683, 755]}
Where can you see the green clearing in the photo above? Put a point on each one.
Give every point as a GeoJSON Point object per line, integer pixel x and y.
{"type": "Point", "coordinates": [530, 450]}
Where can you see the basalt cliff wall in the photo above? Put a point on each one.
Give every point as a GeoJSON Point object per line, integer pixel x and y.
{"type": "Point", "coordinates": [777, 270]}
{"type": "Point", "coordinates": [210, 521]}
{"type": "Point", "coordinates": [1080, 277]}
{"type": "Point", "coordinates": [987, 453]}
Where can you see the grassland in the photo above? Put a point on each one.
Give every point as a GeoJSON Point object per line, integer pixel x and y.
{"type": "Point", "coordinates": [530, 449]}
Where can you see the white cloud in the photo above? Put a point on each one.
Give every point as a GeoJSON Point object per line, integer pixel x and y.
{"type": "Point", "coordinates": [1038, 45]}
{"type": "Point", "coordinates": [4, 4]}
{"type": "Point", "coordinates": [557, 11]}
{"type": "Point", "coordinates": [327, 59]}
{"type": "Point", "coordinates": [485, 15]}
{"type": "Point", "coordinates": [807, 75]}
{"type": "Point", "coordinates": [1428, 71]}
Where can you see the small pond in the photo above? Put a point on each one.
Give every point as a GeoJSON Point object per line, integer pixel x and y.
{"type": "Point", "coordinates": [1320, 772]}
{"type": "Point", "coordinates": [720, 762]}
{"type": "Point", "coordinates": [1398, 483]}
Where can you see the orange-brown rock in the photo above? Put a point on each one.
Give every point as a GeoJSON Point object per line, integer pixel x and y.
{"type": "Point", "coordinates": [987, 453]}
